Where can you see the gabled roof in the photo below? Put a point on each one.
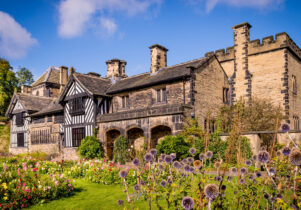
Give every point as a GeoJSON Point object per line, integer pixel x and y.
{"type": "Point", "coordinates": [166, 74]}
{"type": "Point", "coordinates": [30, 102]}
{"type": "Point", "coordinates": [52, 108]}
{"type": "Point", "coordinates": [51, 75]}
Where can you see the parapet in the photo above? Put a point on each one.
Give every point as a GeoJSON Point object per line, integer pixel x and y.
{"type": "Point", "coordinates": [223, 54]}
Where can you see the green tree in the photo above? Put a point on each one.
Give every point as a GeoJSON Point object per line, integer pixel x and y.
{"type": "Point", "coordinates": [90, 147]}
{"type": "Point", "coordinates": [24, 77]}
{"type": "Point", "coordinates": [8, 83]}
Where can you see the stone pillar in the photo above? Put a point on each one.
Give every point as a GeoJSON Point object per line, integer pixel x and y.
{"type": "Point", "coordinates": [158, 57]}
{"type": "Point", "coordinates": [241, 85]}
{"type": "Point", "coordinates": [116, 68]}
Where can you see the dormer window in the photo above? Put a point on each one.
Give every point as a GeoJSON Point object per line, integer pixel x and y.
{"type": "Point", "coordinates": [20, 119]}
{"type": "Point", "coordinates": [125, 101]}
{"type": "Point", "coordinates": [77, 106]}
{"type": "Point", "coordinates": [161, 95]}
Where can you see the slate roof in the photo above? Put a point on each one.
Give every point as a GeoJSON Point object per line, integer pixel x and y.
{"type": "Point", "coordinates": [166, 74]}
{"type": "Point", "coordinates": [51, 108]}
{"type": "Point", "coordinates": [34, 103]}
{"type": "Point", "coordinates": [51, 75]}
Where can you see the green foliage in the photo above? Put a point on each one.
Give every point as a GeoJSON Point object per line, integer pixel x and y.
{"type": "Point", "coordinates": [8, 83]}
{"type": "Point", "coordinates": [91, 147]}
{"type": "Point", "coordinates": [121, 146]}
{"type": "Point", "coordinates": [174, 144]}
{"type": "Point", "coordinates": [4, 139]}
{"type": "Point", "coordinates": [24, 77]}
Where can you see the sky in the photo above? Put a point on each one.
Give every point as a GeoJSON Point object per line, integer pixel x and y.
{"type": "Point", "coordinates": [37, 34]}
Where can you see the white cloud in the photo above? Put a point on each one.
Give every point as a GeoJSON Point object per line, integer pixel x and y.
{"type": "Point", "coordinates": [108, 26]}
{"type": "Point", "coordinates": [14, 39]}
{"type": "Point", "coordinates": [258, 4]}
{"type": "Point", "coordinates": [76, 16]}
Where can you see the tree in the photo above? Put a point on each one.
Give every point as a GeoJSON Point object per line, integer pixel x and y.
{"type": "Point", "coordinates": [8, 83]}
{"type": "Point", "coordinates": [24, 77]}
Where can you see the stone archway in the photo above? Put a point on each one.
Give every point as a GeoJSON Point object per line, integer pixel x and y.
{"type": "Point", "coordinates": [157, 133]}
{"type": "Point", "coordinates": [111, 135]}
{"type": "Point", "coordinates": [136, 139]}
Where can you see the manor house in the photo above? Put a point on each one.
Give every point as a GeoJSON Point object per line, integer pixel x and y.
{"type": "Point", "coordinates": [63, 106]}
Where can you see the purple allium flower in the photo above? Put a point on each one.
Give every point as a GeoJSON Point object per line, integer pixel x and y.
{"type": "Point", "coordinates": [161, 160]}
{"type": "Point", "coordinates": [251, 177]}
{"type": "Point", "coordinates": [191, 169]}
{"type": "Point", "coordinates": [184, 161]}
{"type": "Point", "coordinates": [285, 127]}
{"type": "Point", "coordinates": [153, 152]}
{"type": "Point", "coordinates": [209, 154]}
{"type": "Point", "coordinates": [202, 156]}
{"type": "Point", "coordinates": [123, 173]}
{"type": "Point", "coordinates": [162, 156]}
{"type": "Point", "coordinates": [190, 159]}
{"type": "Point", "coordinates": [286, 151]}
{"type": "Point", "coordinates": [278, 153]}
{"type": "Point", "coordinates": [243, 171]}
{"type": "Point", "coordinates": [192, 151]}
{"type": "Point", "coordinates": [211, 191]}
{"type": "Point", "coordinates": [295, 157]}
{"type": "Point", "coordinates": [263, 156]}
{"type": "Point", "coordinates": [187, 168]}
{"type": "Point", "coordinates": [266, 196]}
{"type": "Point", "coordinates": [169, 180]}
{"type": "Point", "coordinates": [168, 159]}
{"type": "Point", "coordinates": [248, 162]}
{"type": "Point", "coordinates": [258, 174]}
{"type": "Point", "coordinates": [254, 157]}
{"type": "Point", "coordinates": [161, 167]}
{"type": "Point", "coordinates": [148, 157]}
{"type": "Point", "coordinates": [136, 187]}
{"type": "Point", "coordinates": [173, 156]}
{"type": "Point", "coordinates": [136, 162]}
{"type": "Point", "coordinates": [233, 170]}
{"type": "Point", "coordinates": [142, 182]}
{"type": "Point", "coordinates": [120, 202]}
{"type": "Point", "coordinates": [163, 183]}
{"type": "Point", "coordinates": [229, 178]}
{"type": "Point", "coordinates": [187, 203]}
{"type": "Point", "coordinates": [288, 176]}
{"type": "Point", "coordinates": [197, 164]}
{"type": "Point", "coordinates": [219, 178]}
{"type": "Point", "coordinates": [177, 165]}
{"type": "Point", "coordinates": [217, 164]}
{"type": "Point", "coordinates": [242, 181]}
{"type": "Point", "coordinates": [223, 187]}
{"type": "Point", "coordinates": [279, 196]}
{"type": "Point", "coordinates": [272, 171]}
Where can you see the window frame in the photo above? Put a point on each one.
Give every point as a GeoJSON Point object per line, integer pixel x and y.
{"type": "Point", "coordinates": [77, 106]}
{"type": "Point", "coordinates": [19, 121]}
{"type": "Point", "coordinates": [125, 101]}
{"type": "Point", "coordinates": [20, 139]}
{"type": "Point", "coordinates": [77, 136]}
{"type": "Point", "coordinates": [225, 95]}
{"type": "Point", "coordinates": [161, 95]}
{"type": "Point", "coordinates": [294, 84]}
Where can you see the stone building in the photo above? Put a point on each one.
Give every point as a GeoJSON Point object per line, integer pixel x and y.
{"type": "Point", "coordinates": [148, 106]}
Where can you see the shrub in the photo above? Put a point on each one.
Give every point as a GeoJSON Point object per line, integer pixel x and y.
{"type": "Point", "coordinates": [91, 148]}
{"type": "Point", "coordinates": [121, 146]}
{"type": "Point", "coordinates": [174, 144]}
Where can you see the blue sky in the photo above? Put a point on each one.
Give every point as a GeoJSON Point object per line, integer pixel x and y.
{"type": "Point", "coordinates": [37, 34]}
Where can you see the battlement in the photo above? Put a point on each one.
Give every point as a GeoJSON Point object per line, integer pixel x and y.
{"type": "Point", "coordinates": [269, 43]}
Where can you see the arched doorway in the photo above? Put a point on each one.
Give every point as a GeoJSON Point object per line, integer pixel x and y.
{"type": "Point", "coordinates": [157, 133]}
{"type": "Point", "coordinates": [111, 135]}
{"type": "Point", "coordinates": [136, 140]}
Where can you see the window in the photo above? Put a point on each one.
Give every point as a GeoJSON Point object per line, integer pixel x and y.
{"type": "Point", "coordinates": [20, 119]}
{"type": "Point", "coordinates": [296, 123]}
{"type": "Point", "coordinates": [125, 101]}
{"type": "Point", "coordinates": [77, 106]}
{"type": "Point", "coordinates": [226, 95]}
{"type": "Point", "coordinates": [42, 137]}
{"type": "Point", "coordinates": [161, 95]}
{"type": "Point", "coordinates": [20, 139]}
{"type": "Point", "coordinates": [49, 118]}
{"type": "Point", "coordinates": [37, 120]}
{"type": "Point", "coordinates": [211, 125]}
{"type": "Point", "coordinates": [294, 81]}
{"type": "Point", "coordinates": [77, 135]}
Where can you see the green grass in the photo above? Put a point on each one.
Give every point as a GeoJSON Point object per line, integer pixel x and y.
{"type": "Point", "coordinates": [91, 196]}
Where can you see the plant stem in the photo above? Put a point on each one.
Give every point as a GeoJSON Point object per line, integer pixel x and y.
{"type": "Point", "coordinates": [295, 179]}
{"type": "Point", "coordinates": [292, 140]}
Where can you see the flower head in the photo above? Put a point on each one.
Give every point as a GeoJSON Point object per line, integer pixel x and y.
{"type": "Point", "coordinates": [168, 159]}
{"type": "Point", "coordinates": [187, 203]}
{"type": "Point", "coordinates": [254, 157]}
{"type": "Point", "coordinates": [295, 157]}
{"type": "Point", "coordinates": [272, 171]}
{"type": "Point", "coordinates": [190, 159]}
{"type": "Point", "coordinates": [223, 187]}
{"type": "Point", "coordinates": [243, 171]}
{"type": "Point", "coordinates": [233, 170]}
{"type": "Point", "coordinates": [209, 154]}
{"type": "Point", "coordinates": [211, 191]}
{"type": "Point", "coordinates": [286, 151]}
{"type": "Point", "coordinates": [123, 173]}
{"type": "Point", "coordinates": [251, 177]}
{"type": "Point", "coordinates": [248, 162]}
{"type": "Point", "coordinates": [169, 180]}
{"type": "Point", "coordinates": [266, 196]}
{"type": "Point", "coordinates": [162, 156]}
{"type": "Point", "coordinates": [242, 181]}
{"type": "Point", "coordinates": [187, 168]}
{"type": "Point", "coordinates": [258, 174]}
{"type": "Point", "coordinates": [197, 164]}
{"type": "Point", "coordinates": [229, 178]}
{"type": "Point", "coordinates": [142, 182]}
{"type": "Point", "coordinates": [153, 152]}
{"type": "Point", "coordinates": [217, 164]}
{"type": "Point", "coordinates": [263, 156]}
{"type": "Point", "coordinates": [173, 155]}
{"type": "Point", "coordinates": [120, 202]}
{"type": "Point", "coordinates": [184, 161]}
{"type": "Point", "coordinates": [163, 183]}
{"type": "Point", "coordinates": [218, 178]}
{"type": "Point", "coordinates": [177, 165]}
{"type": "Point", "coordinates": [285, 127]}
{"type": "Point", "coordinates": [192, 151]}
{"type": "Point", "coordinates": [136, 162]}
{"type": "Point", "coordinates": [161, 167]}
{"type": "Point", "coordinates": [148, 157]}
{"type": "Point", "coordinates": [136, 187]}
{"type": "Point", "coordinates": [202, 156]}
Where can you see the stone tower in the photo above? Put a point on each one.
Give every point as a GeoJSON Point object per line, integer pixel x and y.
{"type": "Point", "coordinates": [241, 80]}
{"type": "Point", "coordinates": [158, 57]}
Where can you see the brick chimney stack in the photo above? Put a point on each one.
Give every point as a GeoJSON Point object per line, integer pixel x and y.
{"type": "Point", "coordinates": [116, 68]}
{"type": "Point", "coordinates": [158, 57]}
{"type": "Point", "coordinates": [26, 89]}
{"type": "Point", "coordinates": [241, 79]}
{"type": "Point", "coordinates": [63, 76]}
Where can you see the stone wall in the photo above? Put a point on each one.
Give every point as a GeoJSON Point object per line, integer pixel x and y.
{"type": "Point", "coordinates": [18, 150]}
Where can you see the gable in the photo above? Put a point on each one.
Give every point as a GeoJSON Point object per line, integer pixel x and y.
{"type": "Point", "coordinates": [18, 107]}
{"type": "Point", "coordinates": [75, 89]}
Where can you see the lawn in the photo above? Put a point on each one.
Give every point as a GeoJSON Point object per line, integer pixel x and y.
{"type": "Point", "coordinates": [91, 196]}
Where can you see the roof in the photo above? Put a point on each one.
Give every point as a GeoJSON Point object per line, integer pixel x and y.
{"type": "Point", "coordinates": [30, 102]}
{"type": "Point", "coordinates": [166, 74]}
{"type": "Point", "coordinates": [94, 84]}
{"type": "Point", "coordinates": [51, 75]}
{"type": "Point", "coordinates": [53, 107]}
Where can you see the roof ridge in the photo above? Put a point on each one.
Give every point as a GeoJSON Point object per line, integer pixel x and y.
{"type": "Point", "coordinates": [82, 74]}
{"type": "Point", "coordinates": [42, 97]}
{"type": "Point", "coordinates": [187, 62]}
{"type": "Point", "coordinates": [135, 76]}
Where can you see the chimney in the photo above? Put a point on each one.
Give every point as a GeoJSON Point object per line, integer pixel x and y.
{"type": "Point", "coordinates": [63, 77]}
{"type": "Point", "coordinates": [241, 78]}
{"type": "Point", "coordinates": [116, 68]}
{"type": "Point", "coordinates": [25, 89]}
{"type": "Point", "coordinates": [158, 57]}
{"type": "Point", "coordinates": [71, 71]}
